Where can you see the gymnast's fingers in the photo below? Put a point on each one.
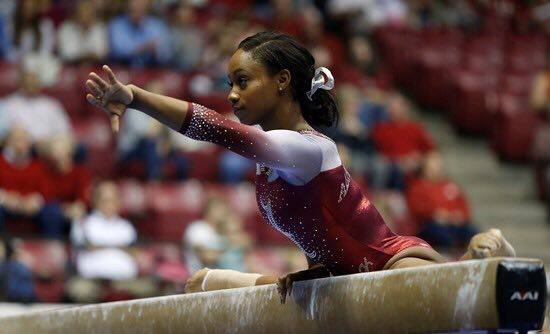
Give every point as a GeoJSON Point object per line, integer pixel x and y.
{"type": "Point", "coordinates": [281, 288]}
{"type": "Point", "coordinates": [93, 100]}
{"type": "Point", "coordinates": [289, 284]}
{"type": "Point", "coordinates": [94, 88]}
{"type": "Point", "coordinates": [110, 74]}
{"type": "Point", "coordinates": [100, 82]}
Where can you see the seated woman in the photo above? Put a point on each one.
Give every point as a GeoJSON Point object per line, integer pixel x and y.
{"type": "Point", "coordinates": [302, 188]}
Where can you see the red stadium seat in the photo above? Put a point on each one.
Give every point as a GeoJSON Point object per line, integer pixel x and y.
{"type": "Point", "coordinates": [95, 133]}
{"type": "Point", "coordinates": [204, 164]}
{"type": "Point", "coordinates": [22, 227]}
{"type": "Point", "coordinates": [45, 258]}
{"type": "Point", "coordinates": [50, 290]}
{"type": "Point", "coordinates": [9, 73]}
{"type": "Point", "coordinates": [512, 130]}
{"type": "Point", "coordinates": [173, 207]}
{"type": "Point", "coordinates": [133, 197]}
{"type": "Point", "coordinates": [469, 111]}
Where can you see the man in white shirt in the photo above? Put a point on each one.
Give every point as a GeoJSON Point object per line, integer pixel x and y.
{"type": "Point", "coordinates": [101, 241]}
{"type": "Point", "coordinates": [103, 235]}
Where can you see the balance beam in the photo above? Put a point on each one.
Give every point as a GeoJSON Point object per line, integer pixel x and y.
{"type": "Point", "coordinates": [477, 294]}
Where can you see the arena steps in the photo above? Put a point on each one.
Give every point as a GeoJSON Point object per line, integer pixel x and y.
{"type": "Point", "coordinates": [501, 195]}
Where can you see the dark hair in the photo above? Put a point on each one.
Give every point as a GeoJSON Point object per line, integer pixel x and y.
{"type": "Point", "coordinates": [7, 242]}
{"type": "Point", "coordinates": [20, 25]}
{"type": "Point", "coordinates": [277, 52]}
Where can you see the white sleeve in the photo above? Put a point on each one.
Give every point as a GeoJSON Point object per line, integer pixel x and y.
{"type": "Point", "coordinates": [283, 150]}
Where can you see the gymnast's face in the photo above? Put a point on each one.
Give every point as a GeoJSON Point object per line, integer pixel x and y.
{"type": "Point", "coordinates": [254, 91]}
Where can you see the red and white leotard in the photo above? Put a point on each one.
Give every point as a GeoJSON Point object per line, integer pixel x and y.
{"type": "Point", "coordinates": [303, 190]}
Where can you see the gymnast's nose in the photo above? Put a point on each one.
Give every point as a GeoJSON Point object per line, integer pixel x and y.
{"type": "Point", "coordinates": [233, 97]}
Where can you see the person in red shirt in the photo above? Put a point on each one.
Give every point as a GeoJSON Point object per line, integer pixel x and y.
{"type": "Point", "coordinates": [67, 183]}
{"type": "Point", "coordinates": [23, 188]}
{"type": "Point", "coordinates": [440, 206]}
{"type": "Point", "coordinates": [402, 141]}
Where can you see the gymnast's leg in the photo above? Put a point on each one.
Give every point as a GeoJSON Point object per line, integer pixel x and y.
{"type": "Point", "coordinates": [482, 245]}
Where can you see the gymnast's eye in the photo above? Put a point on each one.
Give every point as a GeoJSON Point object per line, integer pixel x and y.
{"type": "Point", "coordinates": [229, 83]}
{"type": "Point", "coordinates": [242, 82]}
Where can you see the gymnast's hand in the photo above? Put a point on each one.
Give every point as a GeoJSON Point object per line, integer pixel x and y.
{"type": "Point", "coordinates": [284, 285]}
{"type": "Point", "coordinates": [113, 96]}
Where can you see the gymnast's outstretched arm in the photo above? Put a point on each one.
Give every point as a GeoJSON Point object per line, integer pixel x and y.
{"type": "Point", "coordinates": [283, 150]}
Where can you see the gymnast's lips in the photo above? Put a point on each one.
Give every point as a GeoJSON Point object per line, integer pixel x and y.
{"type": "Point", "coordinates": [237, 111]}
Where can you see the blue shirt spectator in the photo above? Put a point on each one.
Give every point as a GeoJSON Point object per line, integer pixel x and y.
{"type": "Point", "coordinates": [4, 39]}
{"type": "Point", "coordinates": [17, 282]}
{"type": "Point", "coordinates": [370, 114]}
{"type": "Point", "coordinates": [139, 39]}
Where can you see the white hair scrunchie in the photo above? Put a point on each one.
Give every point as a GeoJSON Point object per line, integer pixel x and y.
{"type": "Point", "coordinates": [322, 79]}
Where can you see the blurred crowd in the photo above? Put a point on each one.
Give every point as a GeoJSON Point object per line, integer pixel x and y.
{"type": "Point", "coordinates": [87, 217]}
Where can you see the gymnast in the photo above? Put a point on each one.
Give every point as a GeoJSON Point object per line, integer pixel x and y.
{"type": "Point", "coordinates": [302, 188]}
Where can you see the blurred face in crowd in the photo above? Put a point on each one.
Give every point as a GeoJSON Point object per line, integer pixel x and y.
{"type": "Point", "coordinates": [282, 7]}
{"type": "Point", "coordinates": [185, 15]}
{"type": "Point", "coordinates": [313, 25]}
{"type": "Point", "coordinates": [29, 83]}
{"type": "Point", "coordinates": [361, 51]}
{"type": "Point", "coordinates": [398, 108]}
{"type": "Point", "coordinates": [61, 151]}
{"type": "Point", "coordinates": [137, 9]}
{"type": "Point", "coordinates": [107, 199]}
{"type": "Point", "coordinates": [28, 9]}
{"type": "Point", "coordinates": [253, 93]}
{"type": "Point", "coordinates": [19, 141]}
{"type": "Point", "coordinates": [85, 13]}
{"type": "Point", "coordinates": [208, 256]}
{"type": "Point", "coordinates": [215, 211]}
{"type": "Point", "coordinates": [433, 167]}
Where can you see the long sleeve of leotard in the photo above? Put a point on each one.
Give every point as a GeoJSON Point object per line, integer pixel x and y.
{"type": "Point", "coordinates": [283, 150]}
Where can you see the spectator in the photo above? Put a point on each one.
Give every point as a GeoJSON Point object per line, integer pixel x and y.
{"type": "Point", "coordinates": [540, 93]}
{"type": "Point", "coordinates": [325, 47]}
{"type": "Point", "coordinates": [4, 39]}
{"type": "Point", "coordinates": [23, 186]}
{"type": "Point", "coordinates": [138, 39]}
{"type": "Point", "coordinates": [152, 145]}
{"type": "Point", "coordinates": [203, 244]}
{"type": "Point", "coordinates": [68, 183]}
{"type": "Point", "coordinates": [32, 32]}
{"type": "Point", "coordinates": [188, 41]}
{"type": "Point", "coordinates": [16, 283]}
{"type": "Point", "coordinates": [83, 38]}
{"type": "Point", "coordinates": [401, 140]}
{"type": "Point", "coordinates": [41, 116]}
{"type": "Point", "coordinates": [440, 206]}
{"type": "Point", "coordinates": [102, 240]}
{"type": "Point", "coordinates": [362, 55]}
{"type": "Point", "coordinates": [237, 242]}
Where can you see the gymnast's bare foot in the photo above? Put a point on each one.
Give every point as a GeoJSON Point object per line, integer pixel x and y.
{"type": "Point", "coordinates": [489, 244]}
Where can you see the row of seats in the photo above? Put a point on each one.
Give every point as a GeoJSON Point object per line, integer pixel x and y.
{"type": "Point", "coordinates": [48, 261]}
{"type": "Point", "coordinates": [483, 81]}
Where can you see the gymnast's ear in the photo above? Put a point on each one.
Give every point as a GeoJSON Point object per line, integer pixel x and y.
{"type": "Point", "coordinates": [283, 79]}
